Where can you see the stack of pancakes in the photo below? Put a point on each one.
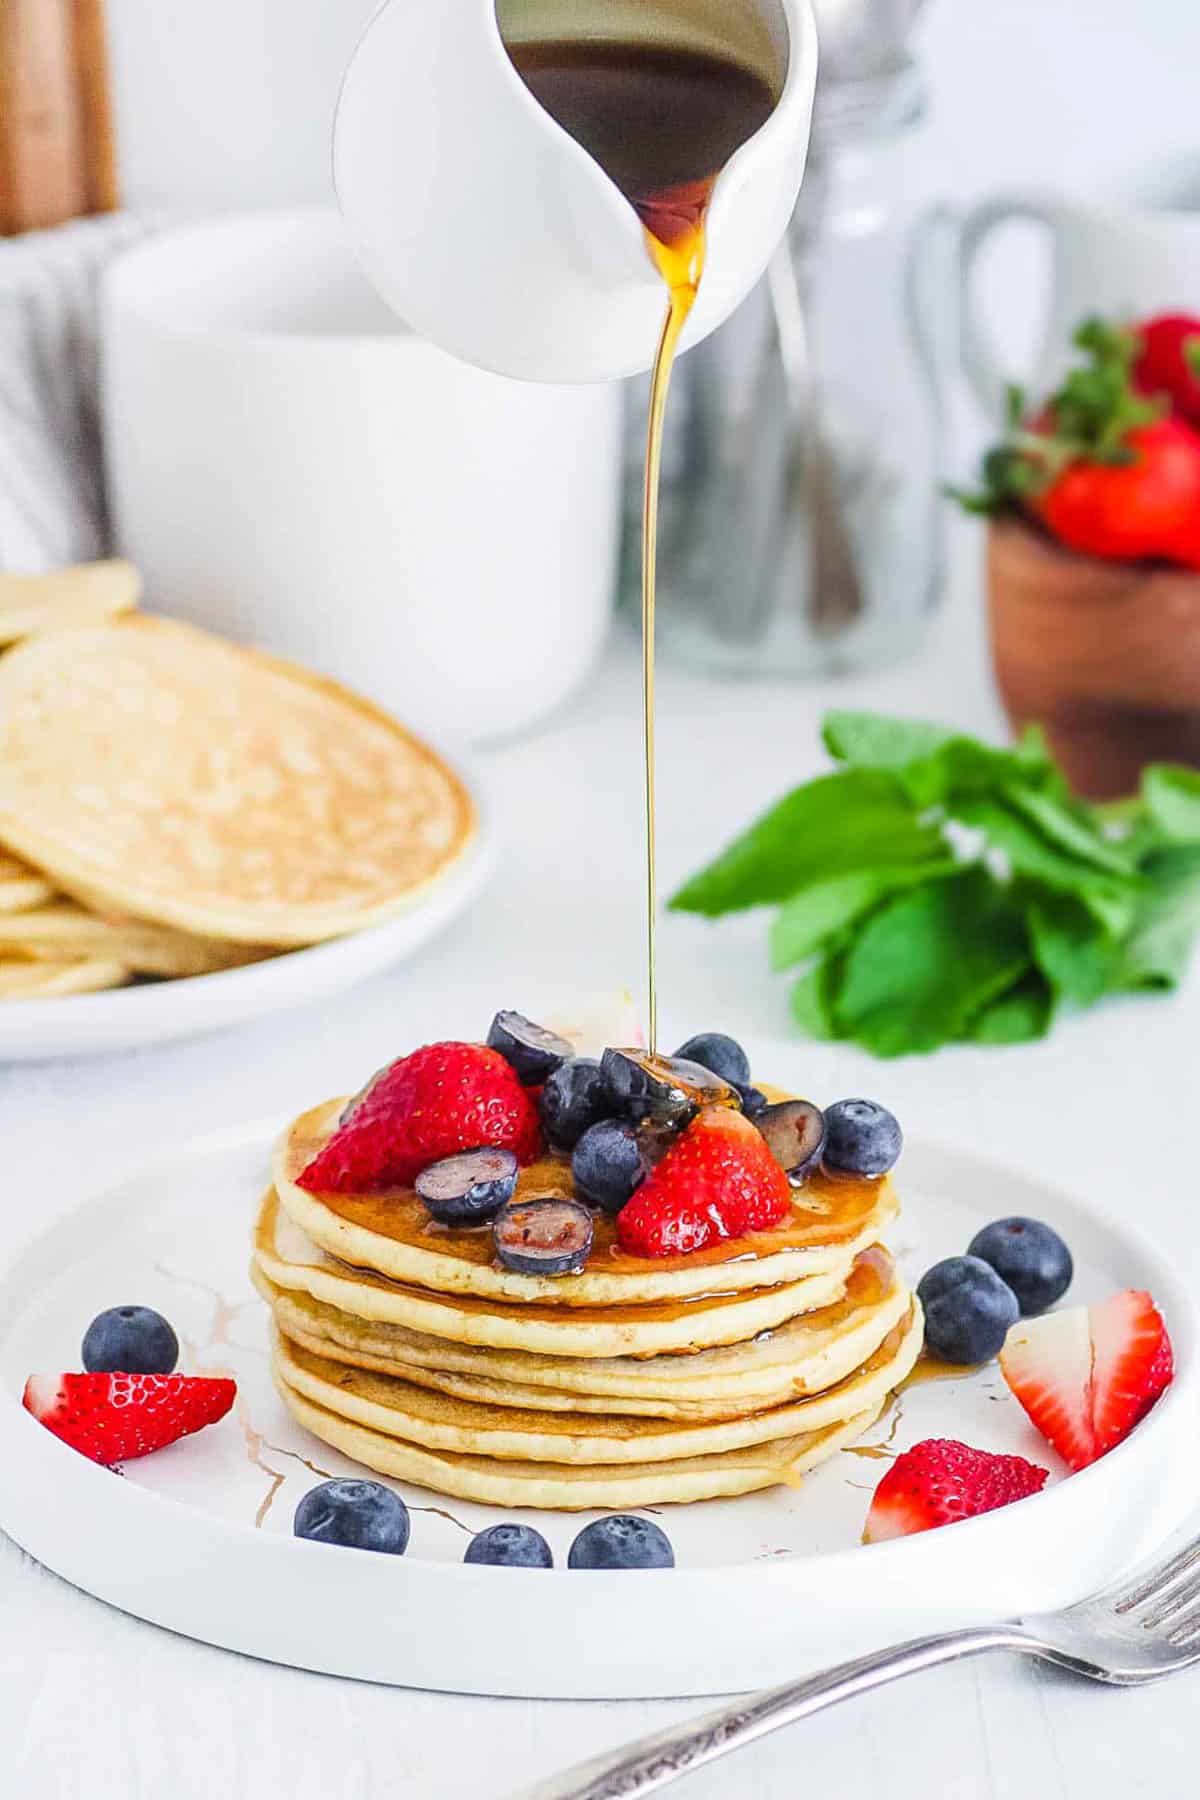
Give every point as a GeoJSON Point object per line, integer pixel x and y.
{"type": "Point", "coordinates": [172, 804]}
{"type": "Point", "coordinates": [407, 1347]}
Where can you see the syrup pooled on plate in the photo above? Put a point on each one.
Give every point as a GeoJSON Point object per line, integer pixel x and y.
{"type": "Point", "coordinates": [662, 122]}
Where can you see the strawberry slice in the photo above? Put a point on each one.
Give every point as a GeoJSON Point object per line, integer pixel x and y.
{"type": "Point", "coordinates": [1087, 1375]}
{"type": "Point", "coordinates": [1132, 1363]}
{"type": "Point", "coordinates": [434, 1103]}
{"type": "Point", "coordinates": [940, 1481]}
{"type": "Point", "coordinates": [718, 1180]}
{"type": "Point", "coordinates": [113, 1418]}
{"type": "Point", "coordinates": [1047, 1362]}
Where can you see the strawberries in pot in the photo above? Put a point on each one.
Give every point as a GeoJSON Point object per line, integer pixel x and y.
{"type": "Point", "coordinates": [1145, 506]}
{"type": "Point", "coordinates": [1101, 465]}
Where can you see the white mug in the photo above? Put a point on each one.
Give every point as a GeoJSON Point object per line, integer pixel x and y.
{"type": "Point", "coordinates": [290, 466]}
{"type": "Point", "coordinates": [494, 234]}
{"type": "Point", "coordinates": [1130, 254]}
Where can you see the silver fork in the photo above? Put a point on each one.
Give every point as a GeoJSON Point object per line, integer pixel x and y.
{"type": "Point", "coordinates": [1144, 1627]}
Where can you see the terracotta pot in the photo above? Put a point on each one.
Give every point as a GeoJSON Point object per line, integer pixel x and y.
{"type": "Point", "coordinates": [1105, 656]}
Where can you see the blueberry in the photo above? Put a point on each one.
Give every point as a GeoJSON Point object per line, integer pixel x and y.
{"type": "Point", "coordinates": [795, 1135]}
{"type": "Point", "coordinates": [753, 1100]}
{"type": "Point", "coordinates": [609, 1163]}
{"type": "Point", "coordinates": [130, 1340]}
{"type": "Point", "coordinates": [543, 1237]}
{"type": "Point", "coordinates": [667, 1089]}
{"type": "Point", "coordinates": [968, 1309]}
{"type": "Point", "coordinates": [1030, 1257]}
{"type": "Point", "coordinates": [621, 1541]}
{"type": "Point", "coordinates": [723, 1055]}
{"type": "Point", "coordinates": [862, 1138]}
{"type": "Point", "coordinates": [514, 1546]}
{"type": "Point", "coordinates": [363, 1515]}
{"type": "Point", "coordinates": [470, 1188]}
{"type": "Point", "coordinates": [532, 1051]}
{"type": "Point", "coordinates": [574, 1097]}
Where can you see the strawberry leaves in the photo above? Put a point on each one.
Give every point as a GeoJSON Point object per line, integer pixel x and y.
{"type": "Point", "coordinates": [935, 889]}
{"type": "Point", "coordinates": [1089, 418]}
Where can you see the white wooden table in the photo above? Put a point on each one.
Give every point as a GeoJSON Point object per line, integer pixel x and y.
{"type": "Point", "coordinates": [95, 1705]}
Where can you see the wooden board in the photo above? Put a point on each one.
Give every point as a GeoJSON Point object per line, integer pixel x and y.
{"type": "Point", "coordinates": [57, 155]}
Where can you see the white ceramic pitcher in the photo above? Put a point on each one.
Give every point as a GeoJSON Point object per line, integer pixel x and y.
{"type": "Point", "coordinates": [494, 234]}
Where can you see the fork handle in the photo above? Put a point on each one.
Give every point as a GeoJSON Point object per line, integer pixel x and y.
{"type": "Point", "coordinates": [665, 1756]}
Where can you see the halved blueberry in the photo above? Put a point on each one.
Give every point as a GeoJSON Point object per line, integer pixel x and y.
{"type": "Point", "coordinates": [543, 1237]}
{"type": "Point", "coordinates": [795, 1134]}
{"type": "Point", "coordinates": [664, 1088]}
{"type": "Point", "coordinates": [510, 1546]}
{"type": "Point", "coordinates": [574, 1097]}
{"type": "Point", "coordinates": [470, 1188]}
{"type": "Point", "coordinates": [362, 1515]}
{"type": "Point", "coordinates": [532, 1051]}
{"type": "Point", "coordinates": [723, 1055]}
{"type": "Point", "coordinates": [1030, 1257]}
{"type": "Point", "coordinates": [862, 1138]}
{"type": "Point", "coordinates": [753, 1100]}
{"type": "Point", "coordinates": [609, 1163]}
{"type": "Point", "coordinates": [621, 1541]}
{"type": "Point", "coordinates": [130, 1340]}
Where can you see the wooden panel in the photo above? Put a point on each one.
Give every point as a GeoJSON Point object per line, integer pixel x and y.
{"type": "Point", "coordinates": [57, 157]}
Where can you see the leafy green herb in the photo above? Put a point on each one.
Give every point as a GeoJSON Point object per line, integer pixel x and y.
{"type": "Point", "coordinates": [857, 819]}
{"type": "Point", "coordinates": [928, 962]}
{"type": "Point", "coordinates": [1172, 798]}
{"type": "Point", "coordinates": [1158, 949]}
{"type": "Point", "coordinates": [936, 889]}
{"type": "Point", "coordinates": [823, 911]}
{"type": "Point", "coordinates": [1021, 1014]}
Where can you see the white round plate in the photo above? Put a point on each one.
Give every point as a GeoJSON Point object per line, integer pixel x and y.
{"type": "Point", "coordinates": [198, 1537]}
{"type": "Point", "coordinates": [154, 1011]}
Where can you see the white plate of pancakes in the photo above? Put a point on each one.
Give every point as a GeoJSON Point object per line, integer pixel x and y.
{"type": "Point", "coordinates": [193, 833]}
{"type": "Point", "coordinates": [482, 1401]}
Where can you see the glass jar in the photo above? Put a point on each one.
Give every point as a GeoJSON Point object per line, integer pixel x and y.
{"type": "Point", "coordinates": [801, 513]}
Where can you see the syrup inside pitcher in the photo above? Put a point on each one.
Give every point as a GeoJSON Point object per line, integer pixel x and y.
{"type": "Point", "coordinates": [662, 120]}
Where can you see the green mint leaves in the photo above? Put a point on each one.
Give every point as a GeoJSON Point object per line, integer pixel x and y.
{"type": "Point", "coordinates": [935, 889]}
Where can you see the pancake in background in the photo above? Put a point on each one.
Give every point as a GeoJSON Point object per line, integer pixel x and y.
{"type": "Point", "coordinates": [86, 594]}
{"type": "Point", "coordinates": [20, 886]}
{"type": "Point", "coordinates": [577, 1488]}
{"type": "Point", "coordinates": [832, 1218]}
{"type": "Point", "coordinates": [153, 769]}
{"type": "Point", "coordinates": [291, 1260]}
{"type": "Point", "coordinates": [64, 929]}
{"type": "Point", "coordinates": [805, 1355]}
{"type": "Point", "coordinates": [438, 1421]}
{"type": "Point", "coordinates": [29, 979]}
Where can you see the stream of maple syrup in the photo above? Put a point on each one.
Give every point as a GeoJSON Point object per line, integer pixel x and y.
{"type": "Point", "coordinates": [662, 122]}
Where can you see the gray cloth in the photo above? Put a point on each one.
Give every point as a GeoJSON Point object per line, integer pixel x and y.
{"type": "Point", "coordinates": [52, 505]}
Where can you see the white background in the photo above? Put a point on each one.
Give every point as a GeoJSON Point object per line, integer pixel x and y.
{"type": "Point", "coordinates": [94, 1704]}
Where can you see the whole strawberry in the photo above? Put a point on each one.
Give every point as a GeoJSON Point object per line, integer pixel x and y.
{"type": "Point", "coordinates": [1168, 362]}
{"type": "Point", "coordinates": [434, 1103]}
{"type": "Point", "coordinates": [940, 1481]}
{"type": "Point", "coordinates": [718, 1180]}
{"type": "Point", "coordinates": [113, 1418]}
